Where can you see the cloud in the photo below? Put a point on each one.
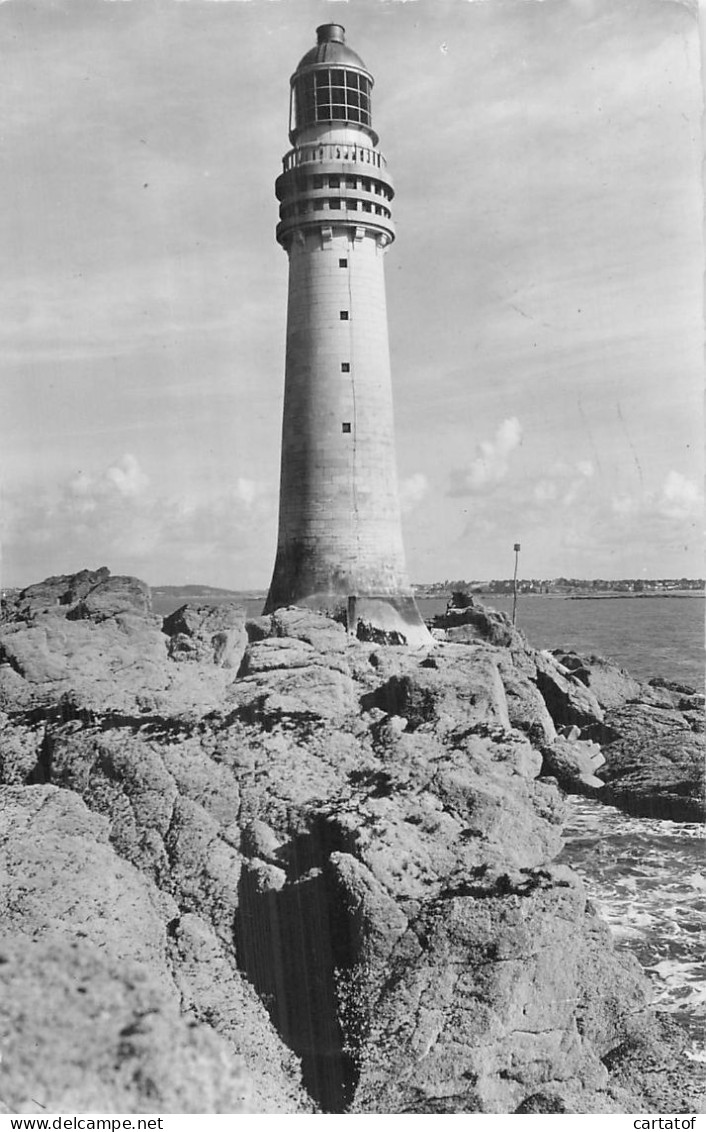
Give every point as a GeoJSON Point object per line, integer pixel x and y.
{"type": "Point", "coordinates": [127, 477]}
{"type": "Point", "coordinates": [677, 501]}
{"type": "Point", "coordinates": [491, 463]}
{"type": "Point", "coordinates": [413, 490]}
{"type": "Point", "coordinates": [246, 491]}
{"type": "Point", "coordinates": [584, 526]}
{"type": "Point", "coordinates": [680, 497]}
{"type": "Point", "coordinates": [563, 483]}
{"type": "Point", "coordinates": [120, 516]}
{"type": "Point", "coordinates": [86, 492]}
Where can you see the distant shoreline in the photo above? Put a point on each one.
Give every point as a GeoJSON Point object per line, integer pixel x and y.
{"type": "Point", "coordinates": [604, 595]}
{"type": "Point", "coordinates": [633, 597]}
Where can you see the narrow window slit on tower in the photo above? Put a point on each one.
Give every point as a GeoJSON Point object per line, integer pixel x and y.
{"type": "Point", "coordinates": [343, 316]}
{"type": "Point", "coordinates": [346, 426]}
{"type": "Point", "coordinates": [343, 263]}
{"type": "Point", "coordinates": [345, 367]}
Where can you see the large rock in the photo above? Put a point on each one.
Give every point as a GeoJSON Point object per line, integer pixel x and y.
{"type": "Point", "coordinates": [89, 1010]}
{"type": "Point", "coordinates": [651, 735]}
{"type": "Point", "coordinates": [285, 653]}
{"type": "Point", "coordinates": [456, 687]}
{"type": "Point", "coordinates": [117, 665]}
{"type": "Point", "coordinates": [325, 635]}
{"type": "Point", "coordinates": [113, 596]}
{"type": "Point", "coordinates": [298, 679]}
{"type": "Point", "coordinates": [569, 702]}
{"type": "Point", "coordinates": [525, 705]}
{"type": "Point", "coordinates": [479, 623]}
{"type": "Point", "coordinates": [502, 955]}
{"type": "Point", "coordinates": [94, 984]}
{"type": "Point", "coordinates": [61, 590]}
{"type": "Point", "coordinates": [167, 807]}
{"type": "Point", "coordinates": [106, 655]}
{"type": "Point", "coordinates": [611, 685]}
{"type": "Point", "coordinates": [654, 763]}
{"type": "Point", "coordinates": [294, 695]}
{"type": "Point", "coordinates": [574, 762]}
{"type": "Point", "coordinates": [82, 1032]}
{"type": "Point", "coordinates": [207, 633]}
{"type": "Point", "coordinates": [60, 876]}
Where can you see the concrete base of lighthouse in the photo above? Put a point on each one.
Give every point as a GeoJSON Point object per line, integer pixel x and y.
{"type": "Point", "coordinates": [391, 615]}
{"type": "Point", "coordinates": [330, 578]}
{"type": "Point", "coordinates": [396, 614]}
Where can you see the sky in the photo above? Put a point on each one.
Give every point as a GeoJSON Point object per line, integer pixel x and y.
{"type": "Point", "coordinates": [544, 290]}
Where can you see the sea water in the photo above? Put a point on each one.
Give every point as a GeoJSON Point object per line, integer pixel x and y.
{"type": "Point", "coordinates": [645, 876]}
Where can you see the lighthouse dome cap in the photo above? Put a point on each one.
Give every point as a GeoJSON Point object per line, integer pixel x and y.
{"type": "Point", "coordinates": [331, 48]}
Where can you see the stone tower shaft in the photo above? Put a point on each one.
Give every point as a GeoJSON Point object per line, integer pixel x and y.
{"type": "Point", "coordinates": [340, 539]}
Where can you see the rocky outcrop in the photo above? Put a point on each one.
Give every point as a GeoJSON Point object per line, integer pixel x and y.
{"type": "Point", "coordinates": [84, 1033]}
{"type": "Point", "coordinates": [569, 702]}
{"type": "Point", "coordinates": [473, 622]}
{"type": "Point", "coordinates": [651, 736]}
{"type": "Point", "coordinates": [61, 590]}
{"type": "Point", "coordinates": [89, 1017]}
{"type": "Point", "coordinates": [655, 761]}
{"type": "Point", "coordinates": [207, 633]}
{"type": "Point", "coordinates": [611, 685]}
{"type": "Point", "coordinates": [514, 951]}
{"type": "Point", "coordinates": [111, 597]}
{"type": "Point", "coordinates": [266, 866]}
{"type": "Point", "coordinates": [89, 646]}
{"type": "Point", "coordinates": [574, 762]}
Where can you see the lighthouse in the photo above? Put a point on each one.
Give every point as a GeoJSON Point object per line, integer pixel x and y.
{"type": "Point", "coordinates": [339, 547]}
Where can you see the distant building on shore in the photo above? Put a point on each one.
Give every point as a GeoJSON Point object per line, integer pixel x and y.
{"type": "Point", "coordinates": [563, 586]}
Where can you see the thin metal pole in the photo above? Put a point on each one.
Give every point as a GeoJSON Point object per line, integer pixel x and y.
{"type": "Point", "coordinates": [514, 583]}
